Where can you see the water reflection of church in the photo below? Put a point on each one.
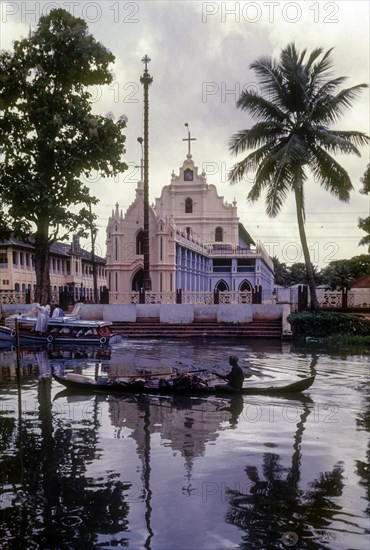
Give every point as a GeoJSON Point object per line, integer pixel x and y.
{"type": "Point", "coordinates": [197, 242]}
{"type": "Point", "coordinates": [186, 425]}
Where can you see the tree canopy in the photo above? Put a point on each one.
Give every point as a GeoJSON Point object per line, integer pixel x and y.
{"type": "Point", "coordinates": [341, 273]}
{"type": "Point", "coordinates": [364, 223]}
{"type": "Point", "coordinates": [49, 136]}
{"type": "Point", "coordinates": [337, 274]}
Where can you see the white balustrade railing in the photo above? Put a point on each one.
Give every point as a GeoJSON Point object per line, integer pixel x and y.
{"type": "Point", "coordinates": [332, 298]}
{"type": "Point", "coordinates": [205, 298]}
{"type": "Point", "coordinates": [228, 297]}
{"type": "Point", "coordinates": [12, 297]}
{"type": "Point", "coordinates": [356, 298]}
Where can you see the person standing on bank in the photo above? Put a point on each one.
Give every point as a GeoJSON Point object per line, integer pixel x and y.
{"type": "Point", "coordinates": [235, 378]}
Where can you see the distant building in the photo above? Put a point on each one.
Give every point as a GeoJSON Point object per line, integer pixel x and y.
{"type": "Point", "coordinates": [197, 242]}
{"type": "Point", "coordinates": [362, 282]}
{"type": "Point", "coordinates": [70, 269]}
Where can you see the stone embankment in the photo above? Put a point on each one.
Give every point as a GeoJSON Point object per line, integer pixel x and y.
{"type": "Point", "coordinates": [152, 328]}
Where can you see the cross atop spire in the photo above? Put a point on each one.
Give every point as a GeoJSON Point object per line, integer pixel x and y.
{"type": "Point", "coordinates": [146, 79]}
{"type": "Point", "coordinates": [146, 59]}
{"type": "Point", "coordinates": [189, 139]}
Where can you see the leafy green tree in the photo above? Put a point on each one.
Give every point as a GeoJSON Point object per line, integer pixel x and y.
{"type": "Point", "coordinates": [341, 273]}
{"type": "Point", "coordinates": [50, 137]}
{"type": "Point", "coordinates": [298, 273]}
{"type": "Point", "coordinates": [282, 272]}
{"type": "Point", "coordinates": [292, 139]}
{"type": "Point", "coordinates": [293, 274]}
{"type": "Point", "coordinates": [364, 223]}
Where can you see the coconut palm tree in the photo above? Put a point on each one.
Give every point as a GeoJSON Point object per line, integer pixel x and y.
{"type": "Point", "coordinates": [292, 139]}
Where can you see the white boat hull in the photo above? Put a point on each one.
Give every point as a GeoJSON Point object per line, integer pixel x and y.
{"type": "Point", "coordinates": [8, 334]}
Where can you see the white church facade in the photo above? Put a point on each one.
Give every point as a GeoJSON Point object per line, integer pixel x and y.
{"type": "Point", "coordinates": [198, 246]}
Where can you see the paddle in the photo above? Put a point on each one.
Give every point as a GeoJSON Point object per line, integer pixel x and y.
{"type": "Point", "coordinates": [157, 375]}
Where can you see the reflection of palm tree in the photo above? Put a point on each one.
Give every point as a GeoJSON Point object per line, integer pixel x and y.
{"type": "Point", "coordinates": [362, 466]}
{"type": "Point", "coordinates": [275, 504]}
{"type": "Point", "coordinates": [277, 501]}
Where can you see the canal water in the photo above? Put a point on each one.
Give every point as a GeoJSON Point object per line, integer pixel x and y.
{"type": "Point", "coordinates": [81, 471]}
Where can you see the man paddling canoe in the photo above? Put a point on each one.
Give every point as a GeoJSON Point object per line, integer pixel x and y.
{"type": "Point", "coordinates": [235, 378]}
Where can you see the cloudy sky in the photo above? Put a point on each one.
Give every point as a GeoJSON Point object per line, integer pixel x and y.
{"type": "Point", "coordinates": [200, 55]}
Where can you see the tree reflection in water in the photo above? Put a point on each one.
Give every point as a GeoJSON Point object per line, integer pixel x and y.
{"type": "Point", "coordinates": [51, 502]}
{"type": "Point", "coordinates": [51, 495]}
{"type": "Point", "coordinates": [276, 500]}
{"type": "Point", "coordinates": [293, 515]}
{"type": "Point", "coordinates": [363, 466]}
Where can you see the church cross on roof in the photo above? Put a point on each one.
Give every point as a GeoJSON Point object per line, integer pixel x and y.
{"type": "Point", "coordinates": [189, 139]}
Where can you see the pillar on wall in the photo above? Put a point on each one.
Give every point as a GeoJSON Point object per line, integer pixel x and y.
{"type": "Point", "coordinates": [257, 295]}
{"type": "Point", "coordinates": [28, 296]}
{"type": "Point", "coordinates": [104, 295]}
{"type": "Point", "coordinates": [142, 296]}
{"type": "Point", "coordinates": [64, 299]}
{"type": "Point", "coordinates": [178, 296]}
{"type": "Point", "coordinates": [302, 297]}
{"type": "Point", "coordinates": [216, 296]}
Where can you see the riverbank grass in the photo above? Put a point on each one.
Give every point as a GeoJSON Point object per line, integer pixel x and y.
{"type": "Point", "coordinates": [333, 328]}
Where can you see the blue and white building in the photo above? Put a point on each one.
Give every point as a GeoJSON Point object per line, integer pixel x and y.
{"type": "Point", "coordinates": [197, 242]}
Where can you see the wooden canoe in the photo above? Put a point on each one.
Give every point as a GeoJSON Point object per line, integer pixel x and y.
{"type": "Point", "coordinates": [278, 387]}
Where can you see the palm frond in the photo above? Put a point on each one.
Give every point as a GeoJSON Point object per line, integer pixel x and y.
{"type": "Point", "coordinates": [249, 164]}
{"type": "Point", "coordinates": [322, 67]}
{"type": "Point", "coordinates": [260, 183]}
{"type": "Point", "coordinates": [259, 107]}
{"type": "Point", "coordinates": [260, 133]}
{"type": "Point", "coordinates": [270, 78]}
{"type": "Point", "coordinates": [329, 108]}
{"type": "Point", "coordinates": [346, 97]}
{"type": "Point", "coordinates": [291, 150]}
{"type": "Point", "coordinates": [341, 141]}
{"type": "Point", "coordinates": [277, 191]}
{"type": "Point", "coordinates": [238, 171]}
{"type": "Point", "coordinates": [330, 174]}
{"type": "Point", "coordinates": [313, 56]}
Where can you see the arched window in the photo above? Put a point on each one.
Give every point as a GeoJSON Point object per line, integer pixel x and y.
{"type": "Point", "coordinates": [188, 206]}
{"type": "Point", "coordinates": [138, 281]}
{"type": "Point", "coordinates": [219, 236]}
{"type": "Point", "coordinates": [245, 286]}
{"type": "Point", "coordinates": [222, 286]}
{"type": "Point", "coordinates": [140, 242]}
{"type": "Point", "coordinates": [188, 232]}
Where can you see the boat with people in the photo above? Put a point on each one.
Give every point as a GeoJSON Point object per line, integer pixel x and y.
{"type": "Point", "coordinates": [59, 330]}
{"type": "Point", "coordinates": [178, 384]}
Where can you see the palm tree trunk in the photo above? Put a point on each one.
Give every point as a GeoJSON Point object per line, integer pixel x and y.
{"type": "Point", "coordinates": [306, 252]}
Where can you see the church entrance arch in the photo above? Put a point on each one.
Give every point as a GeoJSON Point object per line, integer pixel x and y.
{"type": "Point", "coordinates": [245, 289]}
{"type": "Point", "coordinates": [138, 281]}
{"type": "Point", "coordinates": [245, 286]}
{"type": "Point", "coordinates": [222, 286]}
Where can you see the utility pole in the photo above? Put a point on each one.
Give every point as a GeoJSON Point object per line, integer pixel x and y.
{"type": "Point", "coordinates": [146, 81]}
